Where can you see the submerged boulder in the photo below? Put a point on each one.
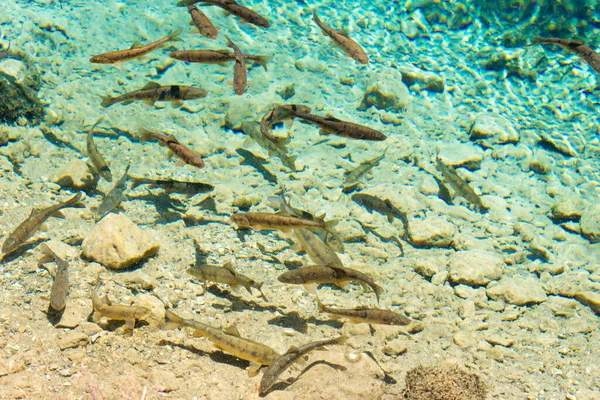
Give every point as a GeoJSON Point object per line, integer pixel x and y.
{"type": "Point", "coordinates": [19, 85]}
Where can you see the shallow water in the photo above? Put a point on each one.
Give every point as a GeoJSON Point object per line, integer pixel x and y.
{"type": "Point", "coordinates": [496, 293]}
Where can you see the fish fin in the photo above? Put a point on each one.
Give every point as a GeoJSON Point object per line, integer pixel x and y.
{"type": "Point", "coordinates": [344, 285]}
{"type": "Point", "coordinates": [326, 131]}
{"type": "Point", "coordinates": [151, 85]}
{"type": "Point", "coordinates": [378, 291]}
{"type": "Point", "coordinates": [292, 349]}
{"type": "Point", "coordinates": [228, 266]}
{"type": "Point", "coordinates": [117, 65]}
{"type": "Point", "coordinates": [57, 214]}
{"type": "Point", "coordinates": [311, 287]}
{"type": "Point", "coordinates": [390, 218]}
{"type": "Point", "coordinates": [320, 305]}
{"type": "Point", "coordinates": [176, 103]}
{"type": "Point", "coordinates": [130, 323]}
{"type": "Point", "coordinates": [127, 102]}
{"type": "Point", "coordinates": [146, 135]}
{"type": "Point", "coordinates": [232, 330]}
{"type": "Point", "coordinates": [253, 369]}
{"type": "Point", "coordinates": [180, 163]}
{"type": "Point", "coordinates": [198, 333]}
{"type": "Point", "coordinates": [96, 316]}
{"type": "Point", "coordinates": [247, 142]}
{"type": "Point", "coordinates": [107, 101]}
{"type": "Point", "coordinates": [172, 321]}
{"type": "Point", "coordinates": [136, 45]}
{"type": "Point", "coordinates": [263, 60]}
{"type": "Point", "coordinates": [107, 300]}
{"type": "Point", "coordinates": [174, 37]}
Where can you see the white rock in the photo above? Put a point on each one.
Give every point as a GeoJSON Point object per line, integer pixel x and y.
{"type": "Point", "coordinates": [432, 232]}
{"type": "Point", "coordinates": [518, 291]}
{"type": "Point", "coordinates": [117, 243]}
{"type": "Point", "coordinates": [490, 129]}
{"type": "Point", "coordinates": [475, 267]}
{"type": "Point", "coordinates": [76, 174]}
{"type": "Point", "coordinates": [461, 155]}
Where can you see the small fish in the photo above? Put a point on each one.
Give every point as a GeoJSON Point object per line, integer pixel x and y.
{"type": "Point", "coordinates": [232, 7]}
{"type": "Point", "coordinates": [202, 23]}
{"type": "Point", "coordinates": [253, 130]}
{"type": "Point", "coordinates": [173, 186]}
{"type": "Point", "coordinates": [112, 200]}
{"type": "Point", "coordinates": [461, 186]}
{"type": "Point", "coordinates": [256, 162]}
{"type": "Point", "coordinates": [367, 315]}
{"type": "Point", "coordinates": [313, 275]}
{"type": "Point", "coordinates": [317, 249]}
{"type": "Point", "coordinates": [98, 164]}
{"type": "Point", "coordinates": [185, 154]}
{"type": "Point", "coordinates": [4, 53]}
{"type": "Point", "coordinates": [104, 308]}
{"type": "Point", "coordinates": [220, 57]}
{"type": "Point", "coordinates": [36, 218]}
{"type": "Point", "coordinates": [153, 92]}
{"type": "Point", "coordinates": [270, 221]}
{"type": "Point", "coordinates": [136, 50]}
{"type": "Point", "coordinates": [277, 114]}
{"type": "Point", "coordinates": [227, 340]}
{"type": "Point", "coordinates": [227, 275]}
{"type": "Point", "coordinates": [384, 207]}
{"type": "Point", "coordinates": [334, 126]}
{"type": "Point", "coordinates": [60, 286]}
{"type": "Point", "coordinates": [240, 73]}
{"type": "Point", "coordinates": [362, 169]}
{"type": "Point", "coordinates": [347, 45]}
{"type": "Point", "coordinates": [577, 47]}
{"type": "Point", "coordinates": [282, 363]}
{"type": "Point", "coordinates": [443, 192]}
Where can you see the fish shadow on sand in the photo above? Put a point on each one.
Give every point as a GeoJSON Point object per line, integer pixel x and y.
{"type": "Point", "coordinates": [54, 316]}
{"type": "Point", "coordinates": [237, 302]}
{"type": "Point", "coordinates": [294, 321]}
{"type": "Point", "coordinates": [216, 356]}
{"type": "Point", "coordinates": [290, 381]}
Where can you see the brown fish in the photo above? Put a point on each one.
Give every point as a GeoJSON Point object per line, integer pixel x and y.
{"type": "Point", "coordinates": [227, 275]}
{"type": "Point", "coordinates": [347, 45]}
{"type": "Point", "coordinates": [277, 114]}
{"type": "Point", "coordinates": [184, 153]}
{"type": "Point", "coordinates": [270, 221]}
{"type": "Point", "coordinates": [202, 23]}
{"type": "Point", "coordinates": [461, 186]}
{"type": "Point", "coordinates": [153, 92]}
{"type": "Point", "coordinates": [104, 308]}
{"type": "Point", "coordinates": [60, 286]}
{"type": "Point", "coordinates": [576, 46]}
{"type": "Point", "coordinates": [232, 7]}
{"type": "Point", "coordinates": [240, 73]}
{"type": "Point", "coordinates": [98, 163]}
{"type": "Point", "coordinates": [366, 315]}
{"type": "Point", "coordinates": [334, 126]}
{"type": "Point", "coordinates": [36, 218]}
{"type": "Point", "coordinates": [136, 51]}
{"type": "Point", "coordinates": [252, 128]}
{"type": "Point", "coordinates": [220, 57]}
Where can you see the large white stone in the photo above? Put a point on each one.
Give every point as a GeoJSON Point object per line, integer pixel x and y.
{"type": "Point", "coordinates": [518, 291]}
{"type": "Point", "coordinates": [475, 267]}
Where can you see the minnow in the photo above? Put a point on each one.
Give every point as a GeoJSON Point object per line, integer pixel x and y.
{"type": "Point", "coordinates": [202, 23]}
{"type": "Point", "coordinates": [227, 275]}
{"type": "Point", "coordinates": [185, 154]}
{"type": "Point", "coordinates": [363, 168]}
{"type": "Point", "coordinates": [98, 163]}
{"type": "Point", "coordinates": [347, 45]}
{"type": "Point", "coordinates": [232, 7]}
{"type": "Point", "coordinates": [384, 207]}
{"type": "Point", "coordinates": [253, 130]}
{"type": "Point", "coordinates": [221, 57]}
{"type": "Point", "coordinates": [366, 315]}
{"type": "Point", "coordinates": [4, 53]}
{"type": "Point", "coordinates": [112, 200]}
{"type": "Point", "coordinates": [313, 275]}
{"type": "Point", "coordinates": [227, 340]}
{"type": "Point", "coordinates": [153, 92]}
{"type": "Point", "coordinates": [240, 73]}
{"type": "Point", "coordinates": [173, 186]}
{"type": "Point", "coordinates": [269, 221]}
{"type": "Point", "coordinates": [104, 308]}
{"type": "Point", "coordinates": [277, 114]}
{"type": "Point", "coordinates": [256, 162]}
{"type": "Point", "coordinates": [282, 363]}
{"type": "Point", "coordinates": [60, 286]}
{"type": "Point", "coordinates": [36, 218]}
{"type": "Point", "coordinates": [333, 126]}
{"type": "Point", "coordinates": [317, 249]}
{"type": "Point", "coordinates": [575, 46]}
{"type": "Point", "coordinates": [461, 186]}
{"type": "Point", "coordinates": [136, 50]}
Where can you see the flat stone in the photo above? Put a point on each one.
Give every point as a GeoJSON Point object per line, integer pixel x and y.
{"type": "Point", "coordinates": [73, 339]}
{"type": "Point", "coordinates": [395, 347]}
{"type": "Point", "coordinates": [567, 209]}
{"type": "Point", "coordinates": [75, 313]}
{"type": "Point", "coordinates": [560, 142]}
{"type": "Point", "coordinates": [427, 267]}
{"type": "Point", "coordinates": [491, 129]}
{"type": "Point", "coordinates": [416, 78]}
{"type": "Point", "coordinates": [461, 155]}
{"type": "Point", "coordinates": [386, 94]}
{"type": "Point", "coordinates": [499, 341]}
{"type": "Point", "coordinates": [590, 223]}
{"type": "Point", "coordinates": [432, 232]}
{"type": "Point", "coordinates": [590, 299]}
{"type": "Point", "coordinates": [76, 175]}
{"type": "Point", "coordinates": [518, 291]}
{"type": "Point", "coordinates": [164, 381]}
{"type": "Point", "coordinates": [117, 243]}
{"type": "Point", "coordinates": [475, 267]}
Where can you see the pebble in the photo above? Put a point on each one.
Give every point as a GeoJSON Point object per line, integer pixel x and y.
{"type": "Point", "coordinates": [518, 291]}
{"type": "Point", "coordinates": [395, 347]}
{"type": "Point", "coordinates": [499, 341]}
{"type": "Point", "coordinates": [386, 96]}
{"type": "Point", "coordinates": [73, 339]}
{"type": "Point", "coordinates": [461, 155]}
{"type": "Point", "coordinates": [164, 381]}
{"type": "Point", "coordinates": [117, 243]}
{"type": "Point", "coordinates": [475, 267]}
{"type": "Point", "coordinates": [567, 209]}
{"type": "Point", "coordinates": [432, 232]}
{"type": "Point", "coordinates": [490, 129]}
{"type": "Point", "coordinates": [417, 78]}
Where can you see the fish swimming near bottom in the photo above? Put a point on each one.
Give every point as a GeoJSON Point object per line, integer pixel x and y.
{"type": "Point", "coordinates": [575, 46]}
{"type": "Point", "coordinates": [36, 218]}
{"type": "Point", "coordinates": [252, 129]}
{"type": "Point", "coordinates": [136, 50]}
{"type": "Point", "coordinates": [384, 207]}
{"type": "Point", "coordinates": [278, 114]}
{"type": "Point", "coordinates": [227, 275]}
{"type": "Point", "coordinates": [202, 23]}
{"type": "Point", "coordinates": [270, 221]}
{"type": "Point", "coordinates": [227, 340]}
{"type": "Point", "coordinates": [333, 126]}
{"type": "Point", "coordinates": [113, 198]}
{"type": "Point", "coordinates": [366, 315]}
{"type": "Point", "coordinates": [347, 45]}
{"type": "Point", "coordinates": [99, 165]}
{"type": "Point", "coordinates": [461, 186]}
{"type": "Point", "coordinates": [220, 57]}
{"type": "Point", "coordinates": [185, 154]}
{"type": "Point", "coordinates": [153, 92]}
{"type": "Point", "coordinates": [60, 286]}
{"type": "Point", "coordinates": [232, 7]}
{"type": "Point", "coordinates": [173, 186]}
{"type": "Point", "coordinates": [364, 167]}
{"type": "Point", "coordinates": [282, 363]}
{"type": "Point", "coordinates": [240, 73]}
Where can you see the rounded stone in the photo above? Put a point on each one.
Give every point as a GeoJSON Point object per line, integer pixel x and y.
{"type": "Point", "coordinates": [475, 267]}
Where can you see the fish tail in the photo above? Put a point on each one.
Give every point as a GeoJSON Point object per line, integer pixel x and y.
{"type": "Point", "coordinates": [378, 291]}
{"type": "Point", "coordinates": [145, 134]}
{"type": "Point", "coordinates": [74, 201]}
{"type": "Point", "coordinates": [108, 101]}
{"type": "Point", "coordinates": [259, 288]}
{"type": "Point", "coordinates": [174, 37]}
{"type": "Point", "coordinates": [320, 305]}
{"type": "Point", "coordinates": [172, 321]}
{"type": "Point", "coordinates": [317, 20]}
{"type": "Point", "coordinates": [263, 60]}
